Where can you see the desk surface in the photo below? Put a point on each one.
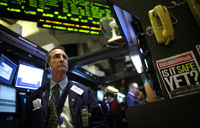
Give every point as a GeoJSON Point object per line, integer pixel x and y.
{"type": "Point", "coordinates": [182, 112]}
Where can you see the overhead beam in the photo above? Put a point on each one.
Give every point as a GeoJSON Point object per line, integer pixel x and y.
{"type": "Point", "coordinates": [96, 56]}
{"type": "Point", "coordinates": [118, 76]}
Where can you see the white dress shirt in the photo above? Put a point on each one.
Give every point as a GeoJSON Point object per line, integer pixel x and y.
{"type": "Point", "coordinates": [66, 113]}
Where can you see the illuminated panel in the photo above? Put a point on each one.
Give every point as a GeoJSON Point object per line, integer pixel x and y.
{"type": "Point", "coordinates": [68, 26]}
{"type": "Point", "coordinates": [71, 11]}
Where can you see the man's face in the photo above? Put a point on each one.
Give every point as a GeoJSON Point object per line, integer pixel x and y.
{"type": "Point", "coordinates": [58, 61]}
{"type": "Point", "coordinates": [109, 98]}
{"type": "Point", "coordinates": [134, 89]}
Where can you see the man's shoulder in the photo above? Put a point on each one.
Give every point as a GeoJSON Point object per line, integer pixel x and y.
{"type": "Point", "coordinates": [40, 90]}
{"type": "Point", "coordinates": [79, 85]}
{"type": "Point", "coordinates": [129, 96]}
{"type": "Point", "coordinates": [44, 87]}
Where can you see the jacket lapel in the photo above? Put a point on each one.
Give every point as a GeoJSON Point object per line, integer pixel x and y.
{"type": "Point", "coordinates": [72, 99]}
{"type": "Point", "coordinates": [72, 95]}
{"type": "Point", "coordinates": [45, 98]}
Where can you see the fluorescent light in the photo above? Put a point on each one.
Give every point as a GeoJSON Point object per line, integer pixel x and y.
{"type": "Point", "coordinates": [145, 61]}
{"type": "Point", "coordinates": [112, 89]}
{"type": "Point", "coordinates": [137, 62]}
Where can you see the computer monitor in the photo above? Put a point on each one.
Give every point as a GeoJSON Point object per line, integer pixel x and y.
{"type": "Point", "coordinates": [100, 95]}
{"type": "Point", "coordinates": [7, 70]}
{"type": "Point", "coordinates": [29, 77]}
{"type": "Point", "coordinates": [7, 99]}
{"type": "Point", "coordinates": [125, 21]}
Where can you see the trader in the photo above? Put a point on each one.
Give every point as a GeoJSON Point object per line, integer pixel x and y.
{"type": "Point", "coordinates": [62, 103]}
{"type": "Point", "coordinates": [131, 98]}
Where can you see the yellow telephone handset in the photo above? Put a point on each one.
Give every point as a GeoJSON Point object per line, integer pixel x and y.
{"type": "Point", "coordinates": [161, 24]}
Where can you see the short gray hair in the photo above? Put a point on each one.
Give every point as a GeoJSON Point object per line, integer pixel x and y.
{"type": "Point", "coordinates": [133, 84]}
{"type": "Point", "coordinates": [47, 57]}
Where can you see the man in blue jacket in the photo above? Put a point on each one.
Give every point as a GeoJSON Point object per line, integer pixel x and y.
{"type": "Point", "coordinates": [77, 107]}
{"type": "Point", "coordinates": [131, 98]}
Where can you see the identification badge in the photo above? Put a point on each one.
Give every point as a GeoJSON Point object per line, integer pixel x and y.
{"type": "Point", "coordinates": [77, 90]}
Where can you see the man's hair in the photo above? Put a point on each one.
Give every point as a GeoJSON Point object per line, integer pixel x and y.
{"type": "Point", "coordinates": [132, 84]}
{"type": "Point", "coordinates": [109, 94]}
{"type": "Point", "coordinates": [47, 57]}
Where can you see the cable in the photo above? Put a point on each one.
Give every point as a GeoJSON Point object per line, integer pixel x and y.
{"type": "Point", "coordinates": [173, 17]}
{"type": "Point", "coordinates": [176, 4]}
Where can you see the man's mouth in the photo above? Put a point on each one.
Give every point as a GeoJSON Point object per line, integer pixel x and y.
{"type": "Point", "coordinates": [61, 65]}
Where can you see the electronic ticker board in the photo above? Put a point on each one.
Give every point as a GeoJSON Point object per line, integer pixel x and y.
{"type": "Point", "coordinates": [71, 15]}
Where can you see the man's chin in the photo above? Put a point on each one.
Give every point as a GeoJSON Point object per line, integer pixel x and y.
{"type": "Point", "coordinates": [62, 69]}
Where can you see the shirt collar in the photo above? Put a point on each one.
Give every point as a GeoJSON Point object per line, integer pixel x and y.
{"type": "Point", "coordinates": [131, 93]}
{"type": "Point", "coordinates": [62, 83]}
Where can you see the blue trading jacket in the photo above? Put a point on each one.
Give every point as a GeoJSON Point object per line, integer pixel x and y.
{"type": "Point", "coordinates": [131, 100]}
{"type": "Point", "coordinates": [38, 118]}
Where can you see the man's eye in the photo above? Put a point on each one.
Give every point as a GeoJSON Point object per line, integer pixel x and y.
{"type": "Point", "coordinates": [65, 57]}
{"type": "Point", "coordinates": [56, 56]}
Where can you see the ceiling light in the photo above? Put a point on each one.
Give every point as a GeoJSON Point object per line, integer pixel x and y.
{"type": "Point", "coordinates": [137, 62]}
{"type": "Point", "coordinates": [112, 89]}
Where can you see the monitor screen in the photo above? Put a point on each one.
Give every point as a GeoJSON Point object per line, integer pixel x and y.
{"type": "Point", "coordinates": [29, 77]}
{"type": "Point", "coordinates": [7, 70]}
{"type": "Point", "coordinates": [7, 99]}
{"type": "Point", "coordinates": [100, 95]}
{"type": "Point", "coordinates": [125, 21]}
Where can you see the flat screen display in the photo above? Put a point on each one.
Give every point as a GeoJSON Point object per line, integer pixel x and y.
{"type": "Point", "coordinates": [29, 77]}
{"type": "Point", "coordinates": [7, 70]}
{"type": "Point", "coordinates": [100, 95]}
{"type": "Point", "coordinates": [7, 99]}
{"type": "Point", "coordinates": [125, 21]}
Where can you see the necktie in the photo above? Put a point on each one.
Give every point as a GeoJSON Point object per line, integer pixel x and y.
{"type": "Point", "coordinates": [52, 114]}
{"type": "Point", "coordinates": [56, 92]}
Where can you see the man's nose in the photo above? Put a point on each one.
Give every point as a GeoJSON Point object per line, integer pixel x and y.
{"type": "Point", "coordinates": [62, 58]}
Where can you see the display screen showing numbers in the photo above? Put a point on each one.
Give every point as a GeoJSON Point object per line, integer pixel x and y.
{"type": "Point", "coordinates": [71, 15]}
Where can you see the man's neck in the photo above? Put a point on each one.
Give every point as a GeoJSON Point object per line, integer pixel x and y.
{"type": "Point", "coordinates": [58, 77]}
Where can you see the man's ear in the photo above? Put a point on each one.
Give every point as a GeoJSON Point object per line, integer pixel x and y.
{"type": "Point", "coordinates": [46, 66]}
